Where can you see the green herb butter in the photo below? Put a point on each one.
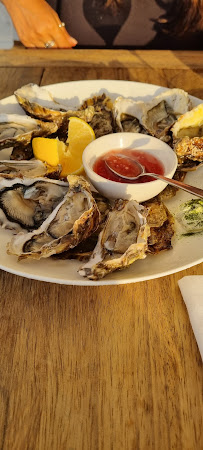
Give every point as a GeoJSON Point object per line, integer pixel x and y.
{"type": "Point", "coordinates": [191, 216]}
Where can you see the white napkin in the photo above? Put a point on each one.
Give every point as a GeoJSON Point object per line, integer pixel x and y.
{"type": "Point", "coordinates": [192, 291]}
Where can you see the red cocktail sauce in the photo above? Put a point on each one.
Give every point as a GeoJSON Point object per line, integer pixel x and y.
{"type": "Point", "coordinates": [125, 167]}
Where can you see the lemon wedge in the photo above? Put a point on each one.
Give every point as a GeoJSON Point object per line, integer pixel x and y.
{"type": "Point", "coordinates": [69, 155]}
{"type": "Point", "coordinates": [71, 165]}
{"type": "Point", "coordinates": [48, 150]}
{"type": "Point", "coordinates": [80, 134]}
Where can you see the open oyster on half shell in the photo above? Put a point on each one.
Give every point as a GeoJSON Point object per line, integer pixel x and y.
{"type": "Point", "coordinates": [161, 223]}
{"type": "Point", "coordinates": [39, 103]}
{"type": "Point", "coordinates": [189, 152]}
{"type": "Point", "coordinates": [102, 120]}
{"type": "Point", "coordinates": [154, 117]}
{"type": "Point", "coordinates": [25, 203]}
{"type": "Point", "coordinates": [73, 219]}
{"type": "Point", "coordinates": [17, 128]}
{"type": "Point", "coordinates": [122, 241]}
{"type": "Point", "coordinates": [33, 168]}
{"type": "Point", "coordinates": [128, 114]}
{"type": "Point", "coordinates": [163, 111]}
{"type": "Point", "coordinates": [84, 249]}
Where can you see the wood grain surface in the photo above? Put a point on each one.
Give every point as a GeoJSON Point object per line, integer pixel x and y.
{"type": "Point", "coordinates": [182, 69]}
{"type": "Point", "coordinates": [107, 367]}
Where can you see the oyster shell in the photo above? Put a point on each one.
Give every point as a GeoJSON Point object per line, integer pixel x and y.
{"type": "Point", "coordinates": [85, 248]}
{"type": "Point", "coordinates": [163, 110]}
{"type": "Point", "coordinates": [19, 128]}
{"type": "Point", "coordinates": [128, 114]}
{"type": "Point", "coordinates": [100, 102]}
{"type": "Point", "coordinates": [20, 153]}
{"type": "Point", "coordinates": [122, 241]}
{"type": "Point", "coordinates": [10, 169]}
{"type": "Point", "coordinates": [72, 220]}
{"type": "Point", "coordinates": [189, 124]}
{"type": "Point", "coordinates": [155, 117]}
{"type": "Point", "coordinates": [102, 120]}
{"type": "Point", "coordinates": [161, 223]}
{"type": "Point", "coordinates": [188, 151]}
{"type": "Point", "coordinates": [26, 203]}
{"type": "Point", "coordinates": [38, 102]}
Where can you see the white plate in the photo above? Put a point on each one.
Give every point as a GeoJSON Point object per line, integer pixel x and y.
{"type": "Point", "coordinates": [186, 252]}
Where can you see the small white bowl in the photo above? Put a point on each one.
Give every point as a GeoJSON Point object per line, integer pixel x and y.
{"type": "Point", "coordinates": [118, 141]}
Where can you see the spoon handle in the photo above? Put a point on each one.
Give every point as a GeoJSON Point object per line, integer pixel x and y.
{"type": "Point", "coordinates": [186, 187]}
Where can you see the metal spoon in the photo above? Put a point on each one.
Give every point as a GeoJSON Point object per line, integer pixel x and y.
{"type": "Point", "coordinates": [186, 187]}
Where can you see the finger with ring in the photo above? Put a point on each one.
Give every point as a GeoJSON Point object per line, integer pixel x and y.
{"type": "Point", "coordinates": [49, 44]}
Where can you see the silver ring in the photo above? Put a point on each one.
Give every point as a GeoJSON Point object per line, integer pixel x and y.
{"type": "Point", "coordinates": [49, 44]}
{"type": "Point", "coordinates": [62, 24]}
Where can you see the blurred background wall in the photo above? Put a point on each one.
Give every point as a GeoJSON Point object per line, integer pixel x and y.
{"type": "Point", "coordinates": [7, 31]}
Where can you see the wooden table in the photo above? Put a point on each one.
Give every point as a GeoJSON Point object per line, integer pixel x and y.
{"type": "Point", "coordinates": [107, 367]}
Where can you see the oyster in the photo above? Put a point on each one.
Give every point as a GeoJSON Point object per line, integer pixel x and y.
{"type": "Point", "coordinates": [128, 114]}
{"type": "Point", "coordinates": [34, 168]}
{"type": "Point", "coordinates": [100, 102]}
{"type": "Point", "coordinates": [26, 203]}
{"type": "Point", "coordinates": [71, 221]}
{"type": "Point", "coordinates": [102, 120]}
{"type": "Point", "coordinates": [162, 111]}
{"type": "Point", "coordinates": [20, 153]}
{"type": "Point", "coordinates": [161, 224]}
{"type": "Point", "coordinates": [19, 128]}
{"type": "Point", "coordinates": [122, 241]}
{"type": "Point", "coordinates": [84, 250]}
{"type": "Point", "coordinates": [39, 103]}
{"type": "Point", "coordinates": [189, 152]}
{"type": "Point", "coordinates": [189, 124]}
{"type": "Point", "coordinates": [155, 117]}
{"type": "Point", "coordinates": [104, 207]}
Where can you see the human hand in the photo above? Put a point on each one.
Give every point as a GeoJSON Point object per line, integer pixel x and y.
{"type": "Point", "coordinates": [38, 25]}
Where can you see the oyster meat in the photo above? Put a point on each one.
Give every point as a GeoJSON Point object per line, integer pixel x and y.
{"type": "Point", "coordinates": [122, 241]}
{"type": "Point", "coordinates": [26, 203]}
{"type": "Point", "coordinates": [84, 250]}
{"type": "Point", "coordinates": [71, 221]}
{"type": "Point", "coordinates": [10, 169]}
{"type": "Point", "coordinates": [38, 102]}
{"type": "Point", "coordinates": [20, 153]}
{"type": "Point", "coordinates": [163, 110]}
{"type": "Point", "coordinates": [19, 128]}
{"type": "Point", "coordinates": [155, 117]}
